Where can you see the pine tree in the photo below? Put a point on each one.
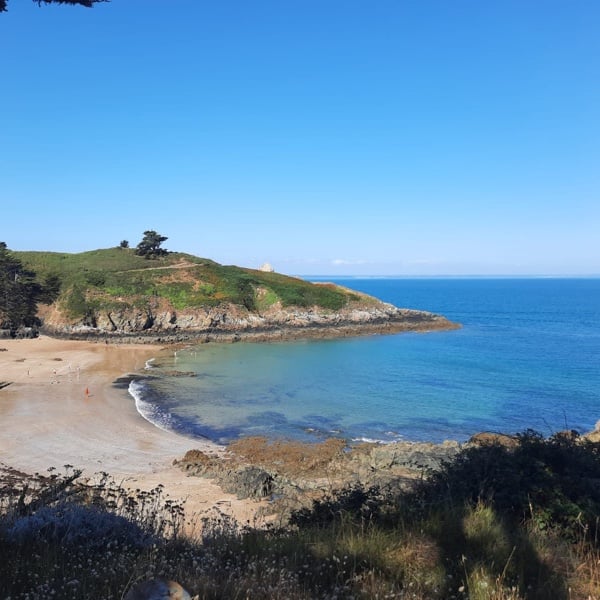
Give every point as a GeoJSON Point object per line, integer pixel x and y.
{"type": "Point", "coordinates": [20, 292]}
{"type": "Point", "coordinates": [149, 247]}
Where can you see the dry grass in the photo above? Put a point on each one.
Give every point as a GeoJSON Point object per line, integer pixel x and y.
{"type": "Point", "coordinates": [584, 580]}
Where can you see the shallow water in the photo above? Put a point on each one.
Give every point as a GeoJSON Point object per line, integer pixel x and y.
{"type": "Point", "coordinates": [528, 356]}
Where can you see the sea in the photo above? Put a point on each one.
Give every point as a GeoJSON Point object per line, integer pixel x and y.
{"type": "Point", "coordinates": [526, 357]}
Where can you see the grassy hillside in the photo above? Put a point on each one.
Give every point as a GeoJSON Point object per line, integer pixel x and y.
{"type": "Point", "coordinates": [117, 278]}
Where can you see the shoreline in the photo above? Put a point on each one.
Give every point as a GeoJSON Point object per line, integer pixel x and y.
{"type": "Point", "coordinates": [309, 327]}
{"type": "Point", "coordinates": [47, 420]}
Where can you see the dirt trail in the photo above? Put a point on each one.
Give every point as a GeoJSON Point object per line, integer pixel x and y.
{"type": "Point", "coordinates": [181, 265]}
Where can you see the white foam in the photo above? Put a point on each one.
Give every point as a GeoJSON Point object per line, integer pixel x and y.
{"type": "Point", "coordinates": [147, 410]}
{"type": "Point", "coordinates": [367, 440]}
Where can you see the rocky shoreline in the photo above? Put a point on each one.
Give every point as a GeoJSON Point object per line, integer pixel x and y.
{"type": "Point", "coordinates": [233, 324]}
{"type": "Point", "coordinates": [293, 474]}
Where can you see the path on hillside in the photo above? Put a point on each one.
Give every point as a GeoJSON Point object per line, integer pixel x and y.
{"type": "Point", "coordinates": [179, 265]}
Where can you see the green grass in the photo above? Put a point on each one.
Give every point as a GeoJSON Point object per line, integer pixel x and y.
{"type": "Point", "coordinates": [109, 278]}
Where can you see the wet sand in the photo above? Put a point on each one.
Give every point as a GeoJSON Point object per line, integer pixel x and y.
{"type": "Point", "coordinates": [61, 408]}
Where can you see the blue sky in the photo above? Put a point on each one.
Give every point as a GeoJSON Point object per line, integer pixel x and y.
{"type": "Point", "coordinates": [326, 137]}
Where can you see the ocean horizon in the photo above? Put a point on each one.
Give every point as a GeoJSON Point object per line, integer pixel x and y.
{"type": "Point", "coordinates": [527, 356]}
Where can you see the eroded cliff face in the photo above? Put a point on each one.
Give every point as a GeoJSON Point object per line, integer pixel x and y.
{"type": "Point", "coordinates": [163, 322]}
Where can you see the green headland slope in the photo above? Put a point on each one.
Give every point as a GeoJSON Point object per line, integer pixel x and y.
{"type": "Point", "coordinates": [177, 296]}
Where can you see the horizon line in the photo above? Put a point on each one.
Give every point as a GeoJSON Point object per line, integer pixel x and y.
{"type": "Point", "coordinates": [459, 276]}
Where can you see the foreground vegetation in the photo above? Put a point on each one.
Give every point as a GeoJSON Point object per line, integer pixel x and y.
{"type": "Point", "coordinates": [495, 523]}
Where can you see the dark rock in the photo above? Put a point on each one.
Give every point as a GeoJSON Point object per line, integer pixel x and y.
{"type": "Point", "coordinates": [175, 373]}
{"type": "Point", "coordinates": [247, 482]}
{"type": "Point", "coordinates": [26, 333]}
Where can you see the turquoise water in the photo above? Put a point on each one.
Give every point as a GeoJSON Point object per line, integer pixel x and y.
{"type": "Point", "coordinates": [528, 356]}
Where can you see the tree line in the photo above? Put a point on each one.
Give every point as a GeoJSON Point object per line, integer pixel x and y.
{"type": "Point", "coordinates": [20, 292]}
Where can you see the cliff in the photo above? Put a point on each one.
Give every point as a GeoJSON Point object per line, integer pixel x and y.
{"type": "Point", "coordinates": [115, 294]}
{"type": "Point", "coordinates": [233, 322]}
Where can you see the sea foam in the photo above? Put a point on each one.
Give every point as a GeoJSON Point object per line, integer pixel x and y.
{"type": "Point", "coordinates": [151, 411]}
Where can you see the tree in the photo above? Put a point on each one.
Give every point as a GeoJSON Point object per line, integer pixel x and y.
{"type": "Point", "coordinates": [86, 3]}
{"type": "Point", "coordinates": [149, 247]}
{"type": "Point", "coordinates": [124, 244]}
{"type": "Point", "coordinates": [20, 292]}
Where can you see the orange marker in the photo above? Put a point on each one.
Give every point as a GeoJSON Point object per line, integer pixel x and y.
{"type": "Point", "coordinates": [87, 392]}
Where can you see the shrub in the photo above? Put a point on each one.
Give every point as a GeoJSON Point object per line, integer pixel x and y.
{"type": "Point", "coordinates": [553, 481]}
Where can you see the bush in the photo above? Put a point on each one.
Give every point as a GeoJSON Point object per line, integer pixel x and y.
{"type": "Point", "coordinates": [553, 481]}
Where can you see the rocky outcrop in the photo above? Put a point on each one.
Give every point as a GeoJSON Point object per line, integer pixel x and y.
{"type": "Point", "coordinates": [20, 333]}
{"type": "Point", "coordinates": [230, 322]}
{"type": "Point", "coordinates": [594, 435]}
{"type": "Point", "coordinates": [293, 474]}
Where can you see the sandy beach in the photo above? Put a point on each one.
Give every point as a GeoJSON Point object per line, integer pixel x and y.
{"type": "Point", "coordinates": [60, 408]}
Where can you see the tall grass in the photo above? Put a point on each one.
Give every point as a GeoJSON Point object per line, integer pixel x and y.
{"type": "Point", "coordinates": [64, 538]}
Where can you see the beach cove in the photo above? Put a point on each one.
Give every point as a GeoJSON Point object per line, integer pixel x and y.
{"type": "Point", "coordinates": [48, 421]}
{"type": "Point", "coordinates": [524, 358]}
{"type": "Point", "coordinates": [62, 407]}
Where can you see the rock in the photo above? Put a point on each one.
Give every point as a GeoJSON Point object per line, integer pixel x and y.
{"type": "Point", "coordinates": [25, 333]}
{"type": "Point", "coordinates": [398, 457]}
{"type": "Point", "coordinates": [176, 373]}
{"type": "Point", "coordinates": [593, 436]}
{"type": "Point", "coordinates": [196, 456]}
{"type": "Point", "coordinates": [158, 589]}
{"type": "Point", "coordinates": [227, 322]}
{"type": "Point", "coordinates": [567, 435]}
{"type": "Point", "coordinates": [296, 475]}
{"type": "Point", "coordinates": [247, 482]}
{"type": "Point", "coordinates": [488, 438]}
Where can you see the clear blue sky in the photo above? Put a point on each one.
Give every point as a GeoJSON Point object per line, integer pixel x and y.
{"type": "Point", "coordinates": [326, 137]}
